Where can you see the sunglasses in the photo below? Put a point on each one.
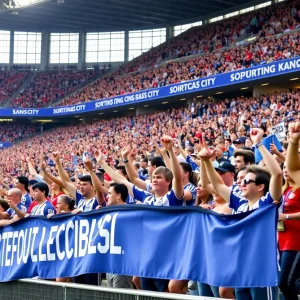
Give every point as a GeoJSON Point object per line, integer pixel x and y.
{"type": "Point", "coordinates": [248, 181]}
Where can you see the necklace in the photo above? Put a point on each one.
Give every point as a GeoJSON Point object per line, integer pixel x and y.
{"type": "Point", "coordinates": [217, 207]}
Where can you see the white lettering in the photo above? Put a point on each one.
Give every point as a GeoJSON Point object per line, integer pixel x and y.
{"type": "Point", "coordinates": [114, 249]}
{"type": "Point", "coordinates": [25, 111]}
{"type": "Point", "coordinates": [60, 254]}
{"type": "Point", "coordinates": [84, 227]}
{"type": "Point", "coordinates": [69, 251]}
{"type": "Point", "coordinates": [104, 233]}
{"type": "Point", "coordinates": [42, 256]}
{"type": "Point", "coordinates": [51, 256]}
{"type": "Point", "coordinates": [33, 256]}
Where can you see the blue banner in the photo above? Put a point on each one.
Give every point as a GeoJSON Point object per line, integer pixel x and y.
{"type": "Point", "coordinates": [220, 80]}
{"type": "Point", "coordinates": [171, 243]}
{"type": "Point", "coordinates": [5, 145]}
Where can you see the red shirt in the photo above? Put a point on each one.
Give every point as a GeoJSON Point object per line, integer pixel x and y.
{"type": "Point", "coordinates": [32, 205]}
{"type": "Point", "coordinates": [54, 199]}
{"type": "Point", "coordinates": [289, 239]}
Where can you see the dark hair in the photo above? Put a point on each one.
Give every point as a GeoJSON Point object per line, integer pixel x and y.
{"type": "Point", "coordinates": [69, 201]}
{"type": "Point", "coordinates": [4, 205]}
{"type": "Point", "coordinates": [157, 161]}
{"type": "Point", "coordinates": [86, 178]}
{"type": "Point", "coordinates": [25, 181]}
{"type": "Point", "coordinates": [121, 189]}
{"type": "Point", "coordinates": [122, 169]}
{"type": "Point", "coordinates": [137, 165]}
{"type": "Point", "coordinates": [43, 187]}
{"type": "Point", "coordinates": [248, 155]}
{"type": "Point", "coordinates": [187, 168]}
{"type": "Point", "coordinates": [262, 176]}
{"type": "Point", "coordinates": [145, 159]}
{"type": "Point", "coordinates": [242, 169]}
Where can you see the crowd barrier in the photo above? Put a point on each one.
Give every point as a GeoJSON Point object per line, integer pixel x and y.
{"type": "Point", "coordinates": [50, 290]}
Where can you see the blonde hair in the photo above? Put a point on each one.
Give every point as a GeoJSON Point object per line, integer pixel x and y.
{"type": "Point", "coordinates": [295, 187]}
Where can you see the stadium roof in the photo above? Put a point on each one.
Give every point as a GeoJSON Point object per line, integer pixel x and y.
{"type": "Point", "coordinates": [112, 15]}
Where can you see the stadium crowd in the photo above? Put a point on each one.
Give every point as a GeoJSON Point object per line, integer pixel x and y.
{"type": "Point", "coordinates": [221, 155]}
{"type": "Point", "coordinates": [202, 51]}
{"type": "Point", "coordinates": [50, 86]}
{"type": "Point", "coordinates": [260, 52]}
{"type": "Point", "coordinates": [15, 132]}
{"type": "Point", "coordinates": [268, 21]}
{"type": "Point", "coordinates": [71, 170]}
{"type": "Point", "coordinates": [10, 81]}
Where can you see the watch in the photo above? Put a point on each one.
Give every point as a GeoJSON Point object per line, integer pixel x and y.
{"type": "Point", "coordinates": [258, 144]}
{"type": "Point", "coordinates": [125, 161]}
{"type": "Point", "coordinates": [287, 217]}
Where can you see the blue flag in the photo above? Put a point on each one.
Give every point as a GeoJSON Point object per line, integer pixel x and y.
{"type": "Point", "coordinates": [172, 243]}
{"type": "Point", "coordinates": [271, 139]}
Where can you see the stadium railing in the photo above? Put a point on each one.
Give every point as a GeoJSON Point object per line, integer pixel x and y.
{"type": "Point", "coordinates": [50, 290]}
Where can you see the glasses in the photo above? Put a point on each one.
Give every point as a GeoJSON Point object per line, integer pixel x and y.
{"type": "Point", "coordinates": [248, 181]}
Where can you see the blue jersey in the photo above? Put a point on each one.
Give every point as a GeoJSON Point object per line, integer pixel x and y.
{"type": "Point", "coordinates": [12, 212]}
{"type": "Point", "coordinates": [168, 199]}
{"type": "Point", "coordinates": [26, 200]}
{"type": "Point", "coordinates": [192, 189]}
{"type": "Point", "coordinates": [194, 166]}
{"type": "Point", "coordinates": [43, 209]}
{"type": "Point", "coordinates": [240, 204]}
{"type": "Point", "coordinates": [85, 204]}
{"type": "Point", "coordinates": [130, 200]}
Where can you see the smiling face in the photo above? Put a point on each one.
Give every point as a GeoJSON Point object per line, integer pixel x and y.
{"type": "Point", "coordinates": [201, 192]}
{"type": "Point", "coordinates": [251, 189]}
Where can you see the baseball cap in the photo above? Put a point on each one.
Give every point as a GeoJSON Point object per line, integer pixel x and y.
{"type": "Point", "coordinates": [225, 167]}
{"type": "Point", "coordinates": [238, 141]}
{"type": "Point", "coordinates": [32, 182]}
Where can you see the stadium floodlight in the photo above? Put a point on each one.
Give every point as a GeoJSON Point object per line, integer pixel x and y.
{"type": "Point", "coordinates": [19, 4]}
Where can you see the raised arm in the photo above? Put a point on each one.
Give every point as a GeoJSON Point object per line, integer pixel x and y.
{"type": "Point", "coordinates": [96, 181]}
{"type": "Point", "coordinates": [272, 165]}
{"type": "Point", "coordinates": [163, 153]}
{"type": "Point", "coordinates": [180, 149]}
{"type": "Point", "coordinates": [177, 185]}
{"type": "Point", "coordinates": [205, 180]}
{"type": "Point", "coordinates": [132, 174]}
{"type": "Point", "coordinates": [50, 177]}
{"type": "Point", "coordinates": [217, 182]}
{"type": "Point", "coordinates": [292, 157]}
{"type": "Point", "coordinates": [64, 176]}
{"type": "Point", "coordinates": [115, 176]}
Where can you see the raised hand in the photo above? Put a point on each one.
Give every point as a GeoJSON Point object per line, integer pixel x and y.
{"type": "Point", "coordinates": [125, 152]}
{"type": "Point", "coordinates": [294, 132]}
{"type": "Point", "coordinates": [56, 156]}
{"type": "Point", "coordinates": [88, 164]}
{"type": "Point", "coordinates": [206, 153]}
{"type": "Point", "coordinates": [256, 135]}
{"type": "Point", "coordinates": [273, 149]}
{"type": "Point", "coordinates": [167, 142]}
{"type": "Point", "coordinates": [99, 157]}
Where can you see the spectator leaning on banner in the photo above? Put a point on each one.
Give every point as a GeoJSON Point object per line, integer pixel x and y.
{"type": "Point", "coordinates": [44, 207]}
{"type": "Point", "coordinates": [259, 188]}
{"type": "Point", "coordinates": [16, 210]}
{"type": "Point", "coordinates": [88, 198]}
{"type": "Point", "coordinates": [117, 195]}
{"type": "Point", "coordinates": [162, 181]}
